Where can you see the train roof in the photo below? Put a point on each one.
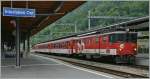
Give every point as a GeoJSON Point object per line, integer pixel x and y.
{"type": "Point", "coordinates": [114, 27]}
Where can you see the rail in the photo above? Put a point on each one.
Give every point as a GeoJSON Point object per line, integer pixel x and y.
{"type": "Point", "coordinates": [119, 70]}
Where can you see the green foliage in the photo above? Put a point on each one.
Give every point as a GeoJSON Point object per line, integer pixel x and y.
{"type": "Point", "coordinates": [98, 8]}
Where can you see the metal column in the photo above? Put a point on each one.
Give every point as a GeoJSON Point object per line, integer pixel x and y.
{"type": "Point", "coordinates": [75, 25]}
{"type": "Point", "coordinates": [2, 45]}
{"type": "Point", "coordinates": [2, 49]}
{"type": "Point", "coordinates": [17, 43]}
{"type": "Point", "coordinates": [24, 49]}
{"type": "Point", "coordinates": [28, 44]}
{"type": "Point", "coordinates": [24, 45]}
{"type": "Point", "coordinates": [89, 20]}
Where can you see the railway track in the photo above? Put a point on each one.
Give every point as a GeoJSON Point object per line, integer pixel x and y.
{"type": "Point", "coordinates": [139, 67]}
{"type": "Point", "coordinates": [118, 73]}
{"type": "Point", "coordinates": [122, 71]}
{"type": "Point", "coordinates": [129, 65]}
{"type": "Point", "coordinates": [107, 62]}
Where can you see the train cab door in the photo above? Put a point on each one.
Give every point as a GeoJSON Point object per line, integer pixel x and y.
{"type": "Point", "coordinates": [97, 43]}
{"type": "Point", "coordinates": [104, 44]}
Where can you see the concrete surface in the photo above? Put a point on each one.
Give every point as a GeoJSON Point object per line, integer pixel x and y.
{"type": "Point", "coordinates": [35, 67]}
{"type": "Point", "coordinates": [142, 59]}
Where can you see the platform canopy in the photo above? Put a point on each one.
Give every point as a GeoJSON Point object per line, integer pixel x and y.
{"type": "Point", "coordinates": [47, 12]}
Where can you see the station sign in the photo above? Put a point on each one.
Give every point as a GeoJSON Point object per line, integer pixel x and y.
{"type": "Point", "coordinates": [18, 12]}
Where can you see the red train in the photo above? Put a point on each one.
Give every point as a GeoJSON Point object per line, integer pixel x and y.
{"type": "Point", "coordinates": [120, 45]}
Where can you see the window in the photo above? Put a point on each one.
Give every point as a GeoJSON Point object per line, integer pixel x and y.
{"type": "Point", "coordinates": [104, 38]}
{"type": "Point", "coordinates": [112, 38]}
{"type": "Point", "coordinates": [123, 37]}
{"type": "Point", "coordinates": [96, 39]}
{"type": "Point", "coordinates": [132, 37]}
{"type": "Point", "coordinates": [54, 45]}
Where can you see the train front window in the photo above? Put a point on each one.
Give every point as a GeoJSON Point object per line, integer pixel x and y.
{"type": "Point", "coordinates": [117, 38]}
{"type": "Point", "coordinates": [132, 37]}
{"type": "Point", "coordinates": [120, 37]}
{"type": "Point", "coordinates": [125, 37]}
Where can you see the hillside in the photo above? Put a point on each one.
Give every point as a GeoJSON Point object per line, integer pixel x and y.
{"type": "Point", "coordinates": [97, 8]}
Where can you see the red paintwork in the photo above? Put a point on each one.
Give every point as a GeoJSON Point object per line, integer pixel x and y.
{"type": "Point", "coordinates": [91, 43]}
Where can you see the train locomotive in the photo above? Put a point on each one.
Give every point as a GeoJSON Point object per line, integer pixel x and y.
{"type": "Point", "coordinates": [120, 45]}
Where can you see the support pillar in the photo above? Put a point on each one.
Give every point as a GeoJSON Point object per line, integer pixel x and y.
{"type": "Point", "coordinates": [24, 49]}
{"type": "Point", "coordinates": [24, 45]}
{"type": "Point", "coordinates": [2, 50]}
{"type": "Point", "coordinates": [75, 28]}
{"type": "Point", "coordinates": [89, 20]}
{"type": "Point", "coordinates": [28, 45]}
{"type": "Point", "coordinates": [17, 44]}
{"type": "Point", "coordinates": [2, 45]}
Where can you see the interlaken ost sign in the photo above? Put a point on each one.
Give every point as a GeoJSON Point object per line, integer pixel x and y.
{"type": "Point", "coordinates": [18, 12]}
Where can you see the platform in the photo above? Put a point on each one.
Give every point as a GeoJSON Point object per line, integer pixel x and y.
{"type": "Point", "coordinates": [37, 67]}
{"type": "Point", "coordinates": [142, 59]}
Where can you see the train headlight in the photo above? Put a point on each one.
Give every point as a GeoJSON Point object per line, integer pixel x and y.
{"type": "Point", "coordinates": [121, 46]}
{"type": "Point", "coordinates": [120, 49]}
{"type": "Point", "coordinates": [135, 49]}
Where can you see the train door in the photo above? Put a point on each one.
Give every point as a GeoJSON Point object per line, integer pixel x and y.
{"type": "Point", "coordinates": [49, 47]}
{"type": "Point", "coordinates": [72, 46]}
{"type": "Point", "coordinates": [79, 46]}
{"type": "Point", "coordinates": [104, 44]}
{"type": "Point", "coordinates": [75, 46]}
{"type": "Point", "coordinates": [97, 43]}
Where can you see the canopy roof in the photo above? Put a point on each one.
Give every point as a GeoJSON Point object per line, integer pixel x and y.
{"type": "Point", "coordinates": [47, 12]}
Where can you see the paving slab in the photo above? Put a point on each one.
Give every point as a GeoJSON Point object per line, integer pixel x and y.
{"type": "Point", "coordinates": [35, 67]}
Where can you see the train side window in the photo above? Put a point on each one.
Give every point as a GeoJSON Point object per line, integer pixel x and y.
{"type": "Point", "coordinates": [53, 46]}
{"type": "Point", "coordinates": [96, 39]}
{"type": "Point", "coordinates": [68, 43]}
{"type": "Point", "coordinates": [112, 38]}
{"type": "Point", "coordinates": [104, 39]}
{"type": "Point", "coordinates": [60, 45]}
{"type": "Point", "coordinates": [84, 40]}
{"type": "Point", "coordinates": [88, 41]}
{"type": "Point", "coordinates": [65, 44]}
{"type": "Point", "coordinates": [56, 45]}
